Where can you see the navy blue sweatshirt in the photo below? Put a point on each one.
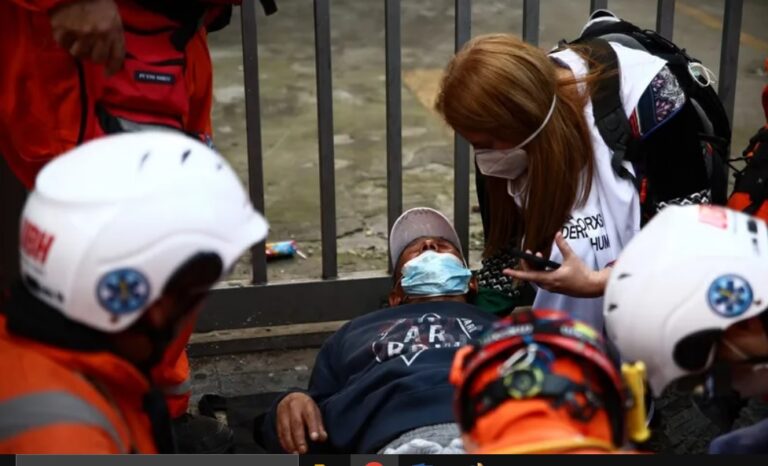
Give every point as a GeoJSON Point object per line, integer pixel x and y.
{"type": "Point", "coordinates": [385, 373]}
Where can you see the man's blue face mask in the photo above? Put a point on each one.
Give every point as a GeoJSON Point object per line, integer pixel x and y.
{"type": "Point", "coordinates": [435, 274]}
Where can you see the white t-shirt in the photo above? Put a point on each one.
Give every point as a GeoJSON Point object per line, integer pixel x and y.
{"type": "Point", "coordinates": [602, 227]}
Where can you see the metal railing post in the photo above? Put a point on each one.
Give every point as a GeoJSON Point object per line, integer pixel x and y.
{"type": "Point", "coordinates": [729, 55]}
{"type": "Point", "coordinates": [394, 113]}
{"type": "Point", "coordinates": [325, 136]}
{"type": "Point", "coordinates": [253, 128]}
{"type": "Point", "coordinates": [531, 21]}
{"type": "Point", "coordinates": [665, 18]}
{"type": "Point", "coordinates": [460, 145]}
{"type": "Point", "coordinates": [597, 5]}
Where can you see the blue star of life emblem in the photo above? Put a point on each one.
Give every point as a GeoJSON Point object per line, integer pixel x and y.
{"type": "Point", "coordinates": [730, 295]}
{"type": "Point", "coordinates": [123, 291]}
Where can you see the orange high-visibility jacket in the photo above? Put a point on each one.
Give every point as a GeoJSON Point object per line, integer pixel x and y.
{"type": "Point", "coordinates": [49, 99]}
{"type": "Point", "coordinates": [172, 374]}
{"type": "Point", "coordinates": [48, 107]}
{"type": "Point", "coordinates": [55, 400]}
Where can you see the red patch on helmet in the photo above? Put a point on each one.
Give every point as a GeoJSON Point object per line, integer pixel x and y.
{"type": "Point", "coordinates": [715, 216]}
{"type": "Point", "coordinates": [35, 242]}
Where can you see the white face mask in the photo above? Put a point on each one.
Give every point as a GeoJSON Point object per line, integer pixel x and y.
{"type": "Point", "coordinates": [509, 163]}
{"type": "Point", "coordinates": [516, 189]}
{"type": "Point", "coordinates": [506, 163]}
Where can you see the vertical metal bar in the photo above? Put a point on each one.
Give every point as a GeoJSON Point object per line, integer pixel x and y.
{"type": "Point", "coordinates": [597, 5]}
{"type": "Point", "coordinates": [325, 136]}
{"type": "Point", "coordinates": [665, 18]}
{"type": "Point", "coordinates": [394, 113]}
{"type": "Point", "coordinates": [729, 54]}
{"type": "Point", "coordinates": [531, 21]}
{"type": "Point", "coordinates": [460, 145]}
{"type": "Point", "coordinates": [253, 128]}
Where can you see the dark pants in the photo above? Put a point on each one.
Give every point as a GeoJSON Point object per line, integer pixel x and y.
{"type": "Point", "coordinates": [12, 196]}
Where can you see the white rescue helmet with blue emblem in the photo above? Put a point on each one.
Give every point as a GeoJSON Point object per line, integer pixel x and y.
{"type": "Point", "coordinates": [691, 273]}
{"type": "Point", "coordinates": [110, 221]}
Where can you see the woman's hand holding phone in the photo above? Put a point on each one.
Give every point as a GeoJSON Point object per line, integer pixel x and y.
{"type": "Point", "coordinates": [573, 277]}
{"type": "Point", "coordinates": [534, 261]}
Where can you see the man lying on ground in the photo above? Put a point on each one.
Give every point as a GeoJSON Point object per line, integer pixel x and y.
{"type": "Point", "coordinates": [380, 383]}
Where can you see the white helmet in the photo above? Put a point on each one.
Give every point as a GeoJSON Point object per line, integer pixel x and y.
{"type": "Point", "coordinates": [691, 273]}
{"type": "Point", "coordinates": [110, 222]}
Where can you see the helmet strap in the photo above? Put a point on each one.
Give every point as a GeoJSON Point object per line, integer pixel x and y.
{"type": "Point", "coordinates": [530, 383]}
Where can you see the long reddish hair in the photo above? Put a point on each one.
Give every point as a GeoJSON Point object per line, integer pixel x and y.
{"type": "Point", "coordinates": [501, 86]}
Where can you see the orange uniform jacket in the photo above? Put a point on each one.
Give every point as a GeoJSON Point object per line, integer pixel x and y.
{"type": "Point", "coordinates": [48, 106]}
{"type": "Point", "coordinates": [50, 403]}
{"type": "Point", "coordinates": [49, 98]}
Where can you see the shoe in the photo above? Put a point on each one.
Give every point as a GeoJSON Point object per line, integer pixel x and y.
{"type": "Point", "coordinates": [197, 434]}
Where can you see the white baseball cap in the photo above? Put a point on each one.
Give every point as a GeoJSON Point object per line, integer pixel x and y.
{"type": "Point", "coordinates": [417, 223]}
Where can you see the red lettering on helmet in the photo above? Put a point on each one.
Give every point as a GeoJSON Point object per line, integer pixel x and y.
{"type": "Point", "coordinates": [35, 243]}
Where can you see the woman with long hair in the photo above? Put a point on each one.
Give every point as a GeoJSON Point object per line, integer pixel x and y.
{"type": "Point", "coordinates": [547, 181]}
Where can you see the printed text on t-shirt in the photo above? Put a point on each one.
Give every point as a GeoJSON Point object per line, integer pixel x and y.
{"type": "Point", "coordinates": [587, 227]}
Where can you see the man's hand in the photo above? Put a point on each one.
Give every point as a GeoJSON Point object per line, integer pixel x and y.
{"type": "Point", "coordinates": [573, 278]}
{"type": "Point", "coordinates": [90, 30]}
{"type": "Point", "coordinates": [297, 415]}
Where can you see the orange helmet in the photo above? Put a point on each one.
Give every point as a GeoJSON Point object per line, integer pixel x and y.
{"type": "Point", "coordinates": [519, 352]}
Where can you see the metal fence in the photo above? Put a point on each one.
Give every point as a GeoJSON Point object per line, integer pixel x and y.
{"type": "Point", "coordinates": [330, 298]}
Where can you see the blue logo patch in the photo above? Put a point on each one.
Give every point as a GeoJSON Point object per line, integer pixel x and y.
{"type": "Point", "coordinates": [123, 291]}
{"type": "Point", "coordinates": [730, 295]}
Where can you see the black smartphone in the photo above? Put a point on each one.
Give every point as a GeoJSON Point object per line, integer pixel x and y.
{"type": "Point", "coordinates": [534, 261]}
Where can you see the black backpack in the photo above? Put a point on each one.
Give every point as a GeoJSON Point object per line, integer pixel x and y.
{"type": "Point", "coordinates": [685, 160]}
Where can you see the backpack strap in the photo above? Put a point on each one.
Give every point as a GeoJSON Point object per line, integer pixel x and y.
{"type": "Point", "coordinates": [608, 109]}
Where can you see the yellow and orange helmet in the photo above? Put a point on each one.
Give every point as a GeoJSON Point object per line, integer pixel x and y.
{"type": "Point", "coordinates": [522, 358]}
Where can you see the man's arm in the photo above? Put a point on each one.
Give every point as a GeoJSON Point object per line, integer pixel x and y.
{"type": "Point", "coordinates": [752, 440]}
{"type": "Point", "coordinates": [88, 29]}
{"type": "Point", "coordinates": [269, 434]}
{"type": "Point", "coordinates": [295, 416]}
